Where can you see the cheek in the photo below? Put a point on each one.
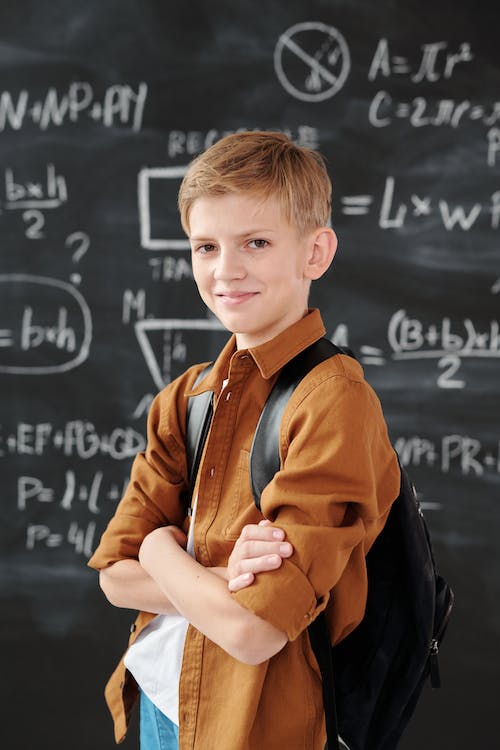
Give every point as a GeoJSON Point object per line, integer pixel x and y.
{"type": "Point", "coordinates": [199, 273]}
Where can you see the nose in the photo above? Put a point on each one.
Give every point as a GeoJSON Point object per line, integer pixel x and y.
{"type": "Point", "coordinates": [229, 265]}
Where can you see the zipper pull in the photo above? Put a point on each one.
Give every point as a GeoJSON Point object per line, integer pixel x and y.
{"type": "Point", "coordinates": [434, 664]}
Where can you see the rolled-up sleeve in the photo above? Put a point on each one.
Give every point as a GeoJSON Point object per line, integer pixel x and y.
{"type": "Point", "coordinates": [339, 476]}
{"type": "Point", "coordinates": [153, 496]}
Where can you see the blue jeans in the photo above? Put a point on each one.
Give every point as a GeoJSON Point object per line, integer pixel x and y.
{"type": "Point", "coordinates": [157, 732]}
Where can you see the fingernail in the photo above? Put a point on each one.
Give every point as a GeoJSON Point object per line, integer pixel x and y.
{"type": "Point", "coordinates": [285, 548]}
{"type": "Point", "coordinates": [278, 534]}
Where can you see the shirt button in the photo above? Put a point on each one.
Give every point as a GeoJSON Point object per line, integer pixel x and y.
{"type": "Point", "coordinates": [228, 395]}
{"type": "Point", "coordinates": [133, 627]}
{"type": "Point", "coordinates": [212, 471]}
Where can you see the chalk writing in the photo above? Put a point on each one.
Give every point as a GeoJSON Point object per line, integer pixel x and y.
{"type": "Point", "coordinates": [35, 221]}
{"type": "Point", "coordinates": [49, 192]}
{"type": "Point", "coordinates": [451, 453]}
{"type": "Point", "coordinates": [146, 176]}
{"type": "Point", "coordinates": [78, 243]}
{"type": "Point", "coordinates": [193, 142]}
{"type": "Point", "coordinates": [493, 146]}
{"type": "Point", "coordinates": [27, 337]}
{"type": "Point", "coordinates": [133, 301]}
{"type": "Point", "coordinates": [395, 214]}
{"type": "Point", "coordinates": [80, 538]}
{"type": "Point", "coordinates": [409, 338]}
{"type": "Point", "coordinates": [163, 343]}
{"type": "Point", "coordinates": [170, 269]}
{"type": "Point", "coordinates": [445, 112]}
{"type": "Point", "coordinates": [143, 406]}
{"type": "Point", "coordinates": [446, 341]}
{"type": "Point", "coordinates": [33, 197]}
{"type": "Point", "coordinates": [120, 105]}
{"type": "Point", "coordinates": [73, 494]}
{"type": "Point", "coordinates": [76, 437]}
{"type": "Point", "coordinates": [436, 62]}
{"type": "Point", "coordinates": [312, 61]}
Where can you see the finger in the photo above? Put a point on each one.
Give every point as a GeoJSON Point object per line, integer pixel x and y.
{"type": "Point", "coordinates": [262, 532]}
{"type": "Point", "coordinates": [254, 549]}
{"type": "Point", "coordinates": [264, 522]}
{"type": "Point", "coordinates": [240, 582]}
{"type": "Point", "coordinates": [256, 565]}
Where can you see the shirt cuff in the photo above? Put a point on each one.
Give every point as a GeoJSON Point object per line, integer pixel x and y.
{"type": "Point", "coordinates": [284, 598]}
{"type": "Point", "coordinates": [119, 542]}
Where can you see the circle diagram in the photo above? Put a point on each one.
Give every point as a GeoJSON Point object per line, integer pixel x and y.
{"type": "Point", "coordinates": [312, 61]}
{"type": "Point", "coordinates": [45, 325]}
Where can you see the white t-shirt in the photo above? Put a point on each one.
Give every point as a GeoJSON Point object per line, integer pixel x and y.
{"type": "Point", "coordinates": [155, 659]}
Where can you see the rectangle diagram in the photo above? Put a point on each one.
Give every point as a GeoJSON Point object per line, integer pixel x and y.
{"type": "Point", "coordinates": [160, 225]}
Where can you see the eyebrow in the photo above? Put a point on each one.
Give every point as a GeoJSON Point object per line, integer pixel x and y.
{"type": "Point", "coordinates": [240, 235]}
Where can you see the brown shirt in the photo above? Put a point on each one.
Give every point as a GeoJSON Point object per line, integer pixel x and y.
{"type": "Point", "coordinates": [338, 478]}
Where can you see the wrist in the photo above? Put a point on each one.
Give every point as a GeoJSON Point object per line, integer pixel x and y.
{"type": "Point", "coordinates": [222, 573]}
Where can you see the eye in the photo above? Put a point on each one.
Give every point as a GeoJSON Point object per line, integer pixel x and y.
{"type": "Point", "coordinates": [206, 248]}
{"type": "Point", "coordinates": [258, 244]}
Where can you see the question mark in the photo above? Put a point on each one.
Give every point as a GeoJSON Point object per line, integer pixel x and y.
{"type": "Point", "coordinates": [81, 241]}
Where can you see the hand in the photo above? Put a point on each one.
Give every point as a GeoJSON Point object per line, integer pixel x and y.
{"type": "Point", "coordinates": [259, 548]}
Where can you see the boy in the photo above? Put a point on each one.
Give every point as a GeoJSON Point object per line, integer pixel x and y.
{"type": "Point", "coordinates": [227, 657]}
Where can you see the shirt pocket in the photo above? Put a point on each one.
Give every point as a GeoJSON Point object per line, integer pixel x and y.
{"type": "Point", "coordinates": [240, 504]}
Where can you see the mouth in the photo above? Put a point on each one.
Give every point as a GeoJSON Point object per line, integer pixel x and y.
{"type": "Point", "coordinates": [235, 298]}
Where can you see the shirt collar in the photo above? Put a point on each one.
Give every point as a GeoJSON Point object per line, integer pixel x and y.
{"type": "Point", "coordinates": [270, 356]}
{"type": "Point", "coordinates": [274, 354]}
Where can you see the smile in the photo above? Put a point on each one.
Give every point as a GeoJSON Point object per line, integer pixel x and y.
{"type": "Point", "coordinates": [233, 299]}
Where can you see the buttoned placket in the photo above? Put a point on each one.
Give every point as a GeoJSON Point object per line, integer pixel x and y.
{"type": "Point", "coordinates": [217, 450]}
{"type": "Point", "coordinates": [218, 445]}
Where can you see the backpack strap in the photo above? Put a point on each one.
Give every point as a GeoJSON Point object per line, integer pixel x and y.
{"type": "Point", "coordinates": [264, 463]}
{"type": "Point", "coordinates": [264, 455]}
{"type": "Point", "coordinates": [198, 420]}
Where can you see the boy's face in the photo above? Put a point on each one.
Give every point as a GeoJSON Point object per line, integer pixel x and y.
{"type": "Point", "coordinates": [250, 265]}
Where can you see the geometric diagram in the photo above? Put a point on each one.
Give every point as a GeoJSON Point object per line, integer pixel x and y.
{"type": "Point", "coordinates": [171, 345]}
{"type": "Point", "coordinates": [45, 325]}
{"type": "Point", "coordinates": [312, 61]}
{"type": "Point", "coordinates": [157, 196]}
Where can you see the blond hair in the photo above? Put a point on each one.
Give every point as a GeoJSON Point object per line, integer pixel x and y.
{"type": "Point", "coordinates": [266, 165]}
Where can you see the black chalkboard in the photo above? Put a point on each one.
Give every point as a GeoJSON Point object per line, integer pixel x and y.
{"type": "Point", "coordinates": [102, 105]}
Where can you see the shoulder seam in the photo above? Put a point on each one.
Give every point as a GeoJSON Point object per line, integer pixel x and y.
{"type": "Point", "coordinates": [313, 382]}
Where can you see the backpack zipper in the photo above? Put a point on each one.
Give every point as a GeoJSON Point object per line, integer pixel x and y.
{"type": "Point", "coordinates": [435, 675]}
{"type": "Point", "coordinates": [434, 664]}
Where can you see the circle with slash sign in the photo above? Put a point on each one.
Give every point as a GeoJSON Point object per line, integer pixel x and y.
{"type": "Point", "coordinates": [312, 61]}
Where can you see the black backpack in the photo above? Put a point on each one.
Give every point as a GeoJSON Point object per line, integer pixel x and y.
{"type": "Point", "coordinates": [373, 678]}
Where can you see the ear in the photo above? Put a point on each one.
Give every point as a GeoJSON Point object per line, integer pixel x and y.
{"type": "Point", "coordinates": [322, 248]}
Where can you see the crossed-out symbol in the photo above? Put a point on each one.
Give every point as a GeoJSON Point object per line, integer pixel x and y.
{"type": "Point", "coordinates": [312, 61]}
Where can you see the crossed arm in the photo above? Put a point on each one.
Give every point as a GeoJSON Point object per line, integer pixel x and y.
{"type": "Point", "coordinates": [166, 579]}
